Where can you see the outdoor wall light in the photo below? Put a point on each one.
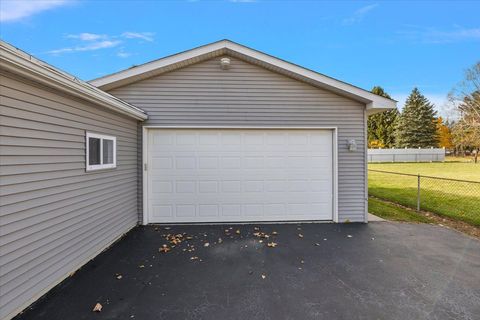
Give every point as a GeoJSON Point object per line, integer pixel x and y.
{"type": "Point", "coordinates": [352, 145]}
{"type": "Point", "coordinates": [225, 63]}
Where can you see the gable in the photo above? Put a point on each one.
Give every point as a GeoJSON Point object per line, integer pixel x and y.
{"type": "Point", "coordinates": [374, 103]}
{"type": "Point", "coordinates": [242, 86]}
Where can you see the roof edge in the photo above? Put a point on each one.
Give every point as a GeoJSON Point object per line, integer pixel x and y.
{"type": "Point", "coordinates": [19, 62]}
{"type": "Point", "coordinates": [371, 100]}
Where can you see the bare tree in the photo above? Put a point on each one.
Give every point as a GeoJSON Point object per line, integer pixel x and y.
{"type": "Point", "coordinates": [466, 101]}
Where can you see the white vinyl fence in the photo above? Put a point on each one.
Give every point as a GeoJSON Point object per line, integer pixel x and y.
{"type": "Point", "coordinates": [406, 155]}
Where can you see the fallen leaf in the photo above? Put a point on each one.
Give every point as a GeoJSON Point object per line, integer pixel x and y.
{"type": "Point", "coordinates": [300, 235]}
{"type": "Point", "coordinates": [97, 308]}
{"type": "Point", "coordinates": [164, 249]}
{"type": "Point", "coordinates": [272, 244]}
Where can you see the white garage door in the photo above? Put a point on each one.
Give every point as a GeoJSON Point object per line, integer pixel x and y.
{"type": "Point", "coordinates": [239, 175]}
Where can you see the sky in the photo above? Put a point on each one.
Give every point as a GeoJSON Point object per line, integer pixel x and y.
{"type": "Point", "coordinates": [396, 45]}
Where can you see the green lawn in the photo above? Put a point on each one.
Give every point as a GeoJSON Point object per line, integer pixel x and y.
{"type": "Point", "coordinates": [453, 170]}
{"type": "Point", "coordinates": [394, 213]}
{"type": "Point", "coordinates": [453, 199]}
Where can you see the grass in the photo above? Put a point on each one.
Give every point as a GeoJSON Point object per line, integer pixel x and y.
{"type": "Point", "coordinates": [456, 200]}
{"type": "Point", "coordinates": [459, 159]}
{"type": "Point", "coordinates": [391, 212]}
{"type": "Point", "coordinates": [453, 170]}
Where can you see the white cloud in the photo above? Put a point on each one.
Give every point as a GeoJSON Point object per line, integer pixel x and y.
{"type": "Point", "coordinates": [85, 36]}
{"type": "Point", "coordinates": [123, 54]}
{"type": "Point", "coordinates": [14, 10]}
{"type": "Point", "coordinates": [435, 36]}
{"type": "Point", "coordinates": [87, 41]}
{"type": "Point", "coordinates": [147, 36]}
{"type": "Point", "coordinates": [359, 14]}
{"type": "Point", "coordinates": [92, 46]}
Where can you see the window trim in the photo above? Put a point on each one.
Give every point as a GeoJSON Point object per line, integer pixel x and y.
{"type": "Point", "coordinates": [100, 166]}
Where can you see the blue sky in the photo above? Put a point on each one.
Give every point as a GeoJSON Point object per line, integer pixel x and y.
{"type": "Point", "coordinates": [397, 45]}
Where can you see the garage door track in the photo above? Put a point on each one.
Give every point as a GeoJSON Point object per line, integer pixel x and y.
{"type": "Point", "coordinates": [270, 271]}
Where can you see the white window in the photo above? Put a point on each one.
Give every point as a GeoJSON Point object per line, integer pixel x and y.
{"type": "Point", "coordinates": [101, 151]}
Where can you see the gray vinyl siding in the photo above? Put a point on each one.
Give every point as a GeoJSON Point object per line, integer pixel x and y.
{"type": "Point", "coordinates": [248, 95]}
{"type": "Point", "coordinates": [55, 216]}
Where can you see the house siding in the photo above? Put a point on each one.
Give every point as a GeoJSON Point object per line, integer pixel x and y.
{"type": "Point", "coordinates": [248, 95]}
{"type": "Point", "coordinates": [54, 215]}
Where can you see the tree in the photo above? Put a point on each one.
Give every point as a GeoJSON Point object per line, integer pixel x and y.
{"type": "Point", "coordinates": [444, 134]}
{"type": "Point", "coordinates": [381, 126]}
{"type": "Point", "coordinates": [416, 126]}
{"type": "Point", "coordinates": [466, 100]}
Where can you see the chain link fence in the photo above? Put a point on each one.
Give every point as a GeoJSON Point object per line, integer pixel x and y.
{"type": "Point", "coordinates": [457, 199]}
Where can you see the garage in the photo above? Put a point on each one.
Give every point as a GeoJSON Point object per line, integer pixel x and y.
{"type": "Point", "coordinates": [199, 175]}
{"type": "Point", "coordinates": [237, 135]}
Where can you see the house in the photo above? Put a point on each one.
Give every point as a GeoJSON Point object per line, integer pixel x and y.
{"type": "Point", "coordinates": [219, 133]}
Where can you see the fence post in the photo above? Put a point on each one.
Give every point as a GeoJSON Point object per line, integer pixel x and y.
{"type": "Point", "coordinates": [418, 192]}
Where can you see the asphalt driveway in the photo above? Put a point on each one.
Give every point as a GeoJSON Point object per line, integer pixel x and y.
{"type": "Point", "coordinates": [316, 271]}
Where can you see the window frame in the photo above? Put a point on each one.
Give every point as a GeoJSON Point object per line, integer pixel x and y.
{"type": "Point", "coordinates": [93, 167]}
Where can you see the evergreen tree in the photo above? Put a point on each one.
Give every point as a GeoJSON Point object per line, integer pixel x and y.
{"type": "Point", "coordinates": [416, 126]}
{"type": "Point", "coordinates": [381, 126]}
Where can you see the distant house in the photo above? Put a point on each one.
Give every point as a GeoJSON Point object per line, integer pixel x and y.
{"type": "Point", "coordinates": [219, 133]}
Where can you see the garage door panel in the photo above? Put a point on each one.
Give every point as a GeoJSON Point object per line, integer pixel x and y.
{"type": "Point", "coordinates": [239, 175]}
{"type": "Point", "coordinates": [180, 186]}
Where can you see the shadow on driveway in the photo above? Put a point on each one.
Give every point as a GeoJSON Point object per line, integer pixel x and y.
{"type": "Point", "coordinates": [335, 271]}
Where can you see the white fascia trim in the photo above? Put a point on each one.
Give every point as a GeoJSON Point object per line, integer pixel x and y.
{"type": "Point", "coordinates": [108, 81]}
{"type": "Point", "coordinates": [18, 62]}
{"type": "Point", "coordinates": [371, 100]}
